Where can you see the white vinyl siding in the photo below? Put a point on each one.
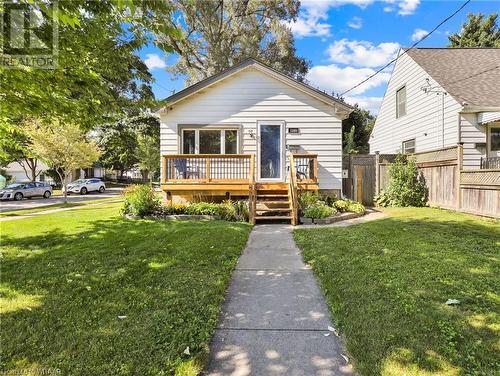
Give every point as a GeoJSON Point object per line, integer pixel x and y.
{"type": "Point", "coordinates": [251, 96]}
{"type": "Point", "coordinates": [424, 116]}
{"type": "Point", "coordinates": [472, 134]}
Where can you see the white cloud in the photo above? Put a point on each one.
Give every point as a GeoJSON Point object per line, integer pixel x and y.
{"type": "Point", "coordinates": [368, 103]}
{"type": "Point", "coordinates": [333, 78]}
{"type": "Point", "coordinates": [418, 34]}
{"type": "Point", "coordinates": [355, 23]}
{"type": "Point", "coordinates": [153, 61]}
{"type": "Point", "coordinates": [407, 7]}
{"type": "Point", "coordinates": [309, 26]}
{"type": "Point", "coordinates": [362, 53]}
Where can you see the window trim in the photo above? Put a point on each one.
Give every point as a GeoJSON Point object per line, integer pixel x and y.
{"type": "Point", "coordinates": [398, 115]}
{"type": "Point", "coordinates": [403, 149]}
{"type": "Point", "coordinates": [220, 128]}
{"type": "Point", "coordinates": [490, 150]}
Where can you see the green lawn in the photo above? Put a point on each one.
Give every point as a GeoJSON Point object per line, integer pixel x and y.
{"type": "Point", "coordinates": [90, 293]}
{"type": "Point", "coordinates": [19, 212]}
{"type": "Point", "coordinates": [387, 282]}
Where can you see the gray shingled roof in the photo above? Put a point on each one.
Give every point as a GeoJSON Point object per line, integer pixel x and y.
{"type": "Point", "coordinates": [469, 75]}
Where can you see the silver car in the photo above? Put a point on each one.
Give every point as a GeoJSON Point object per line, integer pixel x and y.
{"type": "Point", "coordinates": [18, 191]}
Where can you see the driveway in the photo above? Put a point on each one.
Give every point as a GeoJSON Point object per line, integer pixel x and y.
{"type": "Point", "coordinates": [39, 202]}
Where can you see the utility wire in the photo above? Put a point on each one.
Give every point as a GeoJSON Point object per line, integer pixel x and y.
{"type": "Point", "coordinates": [412, 46]}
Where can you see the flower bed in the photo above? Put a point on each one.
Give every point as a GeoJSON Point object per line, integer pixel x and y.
{"type": "Point", "coordinates": [142, 202]}
{"type": "Point", "coordinates": [318, 209]}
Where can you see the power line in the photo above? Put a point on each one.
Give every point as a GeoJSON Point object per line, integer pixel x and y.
{"type": "Point", "coordinates": [412, 46]}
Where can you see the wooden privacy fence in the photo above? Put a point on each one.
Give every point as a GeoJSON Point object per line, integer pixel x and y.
{"type": "Point", "coordinates": [450, 187]}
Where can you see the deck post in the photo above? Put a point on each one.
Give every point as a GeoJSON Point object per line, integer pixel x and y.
{"type": "Point", "coordinates": [207, 169]}
{"type": "Point", "coordinates": [164, 169]}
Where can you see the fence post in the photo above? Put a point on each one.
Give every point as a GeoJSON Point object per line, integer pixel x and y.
{"type": "Point", "coordinates": [460, 158]}
{"type": "Point", "coordinates": [377, 173]}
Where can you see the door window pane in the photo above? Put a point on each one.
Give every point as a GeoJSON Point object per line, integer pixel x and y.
{"type": "Point", "coordinates": [188, 142]}
{"type": "Point", "coordinates": [270, 151]}
{"type": "Point", "coordinates": [231, 141]}
{"type": "Point", "coordinates": [210, 142]}
{"type": "Point", "coordinates": [495, 139]}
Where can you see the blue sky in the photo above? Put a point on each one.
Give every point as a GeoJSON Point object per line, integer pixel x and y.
{"type": "Point", "coordinates": [347, 40]}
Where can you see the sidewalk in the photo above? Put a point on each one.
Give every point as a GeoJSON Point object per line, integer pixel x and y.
{"type": "Point", "coordinates": [275, 319]}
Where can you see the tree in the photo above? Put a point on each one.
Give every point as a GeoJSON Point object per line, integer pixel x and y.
{"type": "Point", "coordinates": [148, 155]}
{"type": "Point", "coordinates": [63, 147]}
{"type": "Point", "coordinates": [356, 130]}
{"type": "Point", "coordinates": [478, 31]}
{"type": "Point", "coordinates": [218, 34]}
{"type": "Point", "coordinates": [119, 140]}
{"type": "Point", "coordinates": [99, 76]}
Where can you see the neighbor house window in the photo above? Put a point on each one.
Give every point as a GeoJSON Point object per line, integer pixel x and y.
{"type": "Point", "coordinates": [401, 102]}
{"type": "Point", "coordinates": [210, 141]}
{"type": "Point", "coordinates": [408, 146]}
{"type": "Point", "coordinates": [495, 139]}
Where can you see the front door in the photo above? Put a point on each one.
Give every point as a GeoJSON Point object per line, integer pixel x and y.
{"type": "Point", "coordinates": [270, 151]}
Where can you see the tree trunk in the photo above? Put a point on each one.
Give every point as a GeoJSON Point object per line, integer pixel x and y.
{"type": "Point", "coordinates": [64, 184]}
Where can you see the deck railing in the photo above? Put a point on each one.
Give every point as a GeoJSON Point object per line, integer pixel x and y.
{"type": "Point", "coordinates": [206, 168]}
{"type": "Point", "coordinates": [490, 163]}
{"type": "Point", "coordinates": [306, 167]}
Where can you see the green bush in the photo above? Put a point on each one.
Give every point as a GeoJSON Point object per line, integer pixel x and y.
{"type": "Point", "coordinates": [355, 207]}
{"type": "Point", "coordinates": [341, 205]}
{"type": "Point", "coordinates": [204, 208]}
{"type": "Point", "coordinates": [307, 199]}
{"type": "Point", "coordinates": [228, 210]}
{"type": "Point", "coordinates": [141, 200]}
{"type": "Point", "coordinates": [406, 187]}
{"type": "Point", "coordinates": [319, 210]}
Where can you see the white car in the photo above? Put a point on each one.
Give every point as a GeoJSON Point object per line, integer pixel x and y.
{"type": "Point", "coordinates": [83, 186]}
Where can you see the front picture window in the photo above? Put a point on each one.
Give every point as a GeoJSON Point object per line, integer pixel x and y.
{"type": "Point", "coordinates": [210, 141]}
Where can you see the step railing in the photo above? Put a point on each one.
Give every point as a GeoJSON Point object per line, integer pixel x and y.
{"type": "Point", "coordinates": [306, 167]}
{"type": "Point", "coordinates": [293, 191]}
{"type": "Point", "coordinates": [252, 191]}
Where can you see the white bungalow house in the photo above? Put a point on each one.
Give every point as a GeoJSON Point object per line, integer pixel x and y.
{"type": "Point", "coordinates": [438, 97]}
{"type": "Point", "coordinates": [251, 131]}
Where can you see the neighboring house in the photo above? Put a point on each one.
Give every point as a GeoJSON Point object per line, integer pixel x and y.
{"type": "Point", "coordinates": [18, 173]}
{"type": "Point", "coordinates": [243, 124]}
{"type": "Point", "coordinates": [438, 97]}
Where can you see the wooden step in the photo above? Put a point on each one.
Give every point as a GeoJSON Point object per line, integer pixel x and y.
{"type": "Point", "coordinates": [273, 217]}
{"type": "Point", "coordinates": [273, 210]}
{"type": "Point", "coordinates": [271, 195]}
{"type": "Point", "coordinates": [271, 202]}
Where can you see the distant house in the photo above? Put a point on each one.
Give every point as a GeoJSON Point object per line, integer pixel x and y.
{"type": "Point", "coordinates": [438, 97]}
{"type": "Point", "coordinates": [246, 124]}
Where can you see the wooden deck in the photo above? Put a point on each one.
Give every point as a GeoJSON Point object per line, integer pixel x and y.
{"type": "Point", "coordinates": [234, 175]}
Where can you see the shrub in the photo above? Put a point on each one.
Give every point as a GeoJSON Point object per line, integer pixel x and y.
{"type": "Point", "coordinates": [330, 200]}
{"type": "Point", "coordinates": [341, 205]}
{"type": "Point", "coordinates": [308, 199]}
{"type": "Point", "coordinates": [319, 210]}
{"type": "Point", "coordinates": [204, 208]}
{"type": "Point", "coordinates": [406, 187]}
{"type": "Point", "coordinates": [355, 207]}
{"type": "Point", "coordinates": [141, 200]}
{"type": "Point", "coordinates": [235, 210]}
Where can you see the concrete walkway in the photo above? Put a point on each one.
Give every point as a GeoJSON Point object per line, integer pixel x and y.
{"type": "Point", "coordinates": [275, 320]}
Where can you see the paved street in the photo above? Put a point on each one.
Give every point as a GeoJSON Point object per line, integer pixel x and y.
{"type": "Point", "coordinates": [39, 201]}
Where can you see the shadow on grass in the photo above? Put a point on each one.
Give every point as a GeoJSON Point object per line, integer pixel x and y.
{"type": "Point", "coordinates": [387, 283]}
{"type": "Point", "coordinates": [112, 296]}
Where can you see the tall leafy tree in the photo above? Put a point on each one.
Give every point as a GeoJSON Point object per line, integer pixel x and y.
{"type": "Point", "coordinates": [356, 130]}
{"type": "Point", "coordinates": [478, 31]}
{"type": "Point", "coordinates": [218, 34]}
{"type": "Point", "coordinates": [99, 76]}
